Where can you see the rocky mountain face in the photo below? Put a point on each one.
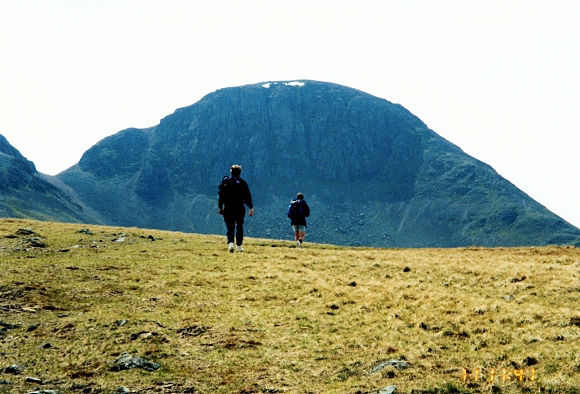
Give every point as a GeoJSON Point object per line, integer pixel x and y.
{"type": "Point", "coordinates": [372, 173]}
{"type": "Point", "coordinates": [26, 193]}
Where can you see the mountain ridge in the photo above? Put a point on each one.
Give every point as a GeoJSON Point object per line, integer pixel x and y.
{"type": "Point", "coordinates": [24, 192]}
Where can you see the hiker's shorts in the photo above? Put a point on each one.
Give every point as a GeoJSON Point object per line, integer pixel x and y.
{"type": "Point", "coordinates": [298, 228]}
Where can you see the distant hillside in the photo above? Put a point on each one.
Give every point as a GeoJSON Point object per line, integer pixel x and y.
{"type": "Point", "coordinates": [372, 172]}
{"type": "Point", "coordinates": [26, 193]}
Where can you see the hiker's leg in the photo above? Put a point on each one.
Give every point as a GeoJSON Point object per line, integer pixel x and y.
{"type": "Point", "coordinates": [296, 232]}
{"type": "Point", "coordinates": [302, 235]}
{"type": "Point", "coordinates": [240, 229]}
{"type": "Point", "coordinates": [230, 221]}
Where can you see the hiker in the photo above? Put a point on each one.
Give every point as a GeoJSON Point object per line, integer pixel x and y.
{"type": "Point", "coordinates": [298, 211]}
{"type": "Point", "coordinates": [233, 194]}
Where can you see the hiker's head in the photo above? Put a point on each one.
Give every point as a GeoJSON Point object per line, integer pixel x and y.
{"type": "Point", "coordinates": [300, 196]}
{"type": "Point", "coordinates": [236, 170]}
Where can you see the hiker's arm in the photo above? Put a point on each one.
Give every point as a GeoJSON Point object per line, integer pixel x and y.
{"type": "Point", "coordinates": [220, 205]}
{"type": "Point", "coordinates": [248, 198]}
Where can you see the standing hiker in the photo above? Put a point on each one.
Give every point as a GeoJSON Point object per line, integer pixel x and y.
{"type": "Point", "coordinates": [233, 194]}
{"type": "Point", "coordinates": [298, 211]}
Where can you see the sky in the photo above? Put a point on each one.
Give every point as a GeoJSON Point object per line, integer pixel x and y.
{"type": "Point", "coordinates": [498, 78]}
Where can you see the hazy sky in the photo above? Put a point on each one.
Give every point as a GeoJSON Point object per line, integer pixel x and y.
{"type": "Point", "coordinates": [498, 78]}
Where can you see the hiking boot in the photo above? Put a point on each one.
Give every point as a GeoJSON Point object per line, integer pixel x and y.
{"type": "Point", "coordinates": [298, 244]}
{"type": "Point", "coordinates": [239, 248]}
{"type": "Point", "coordinates": [231, 247]}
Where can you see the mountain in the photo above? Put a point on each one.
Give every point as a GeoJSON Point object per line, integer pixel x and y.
{"type": "Point", "coordinates": [24, 192]}
{"type": "Point", "coordinates": [372, 172]}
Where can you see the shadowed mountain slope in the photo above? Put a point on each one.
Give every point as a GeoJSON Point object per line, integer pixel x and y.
{"type": "Point", "coordinates": [24, 192]}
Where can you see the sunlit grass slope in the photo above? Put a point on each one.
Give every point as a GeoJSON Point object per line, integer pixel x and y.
{"type": "Point", "coordinates": [280, 319]}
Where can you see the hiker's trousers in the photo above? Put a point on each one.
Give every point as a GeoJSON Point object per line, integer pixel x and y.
{"type": "Point", "coordinates": [235, 225]}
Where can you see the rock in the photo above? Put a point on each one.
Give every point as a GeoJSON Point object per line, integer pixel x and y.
{"type": "Point", "coordinates": [127, 361]}
{"type": "Point", "coordinates": [31, 379]}
{"type": "Point", "coordinates": [142, 335]}
{"type": "Point", "coordinates": [45, 392]}
{"type": "Point", "coordinates": [9, 326]}
{"type": "Point", "coordinates": [46, 345]}
{"type": "Point", "coordinates": [529, 361]}
{"type": "Point", "coordinates": [575, 321]}
{"type": "Point", "coordinates": [25, 231]}
{"type": "Point", "coordinates": [399, 364]}
{"type": "Point", "coordinates": [119, 240]}
{"type": "Point", "coordinates": [2, 382]}
{"type": "Point", "coordinates": [85, 231]}
{"type": "Point", "coordinates": [13, 369]}
{"type": "Point", "coordinates": [352, 284]}
{"type": "Point", "coordinates": [406, 269]}
{"type": "Point", "coordinates": [508, 298]}
{"type": "Point", "coordinates": [35, 242]}
{"type": "Point", "coordinates": [387, 390]}
{"type": "Point", "coordinates": [121, 323]}
{"type": "Point", "coordinates": [122, 390]}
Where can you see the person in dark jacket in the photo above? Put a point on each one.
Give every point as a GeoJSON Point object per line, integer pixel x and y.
{"type": "Point", "coordinates": [298, 211]}
{"type": "Point", "coordinates": [232, 197]}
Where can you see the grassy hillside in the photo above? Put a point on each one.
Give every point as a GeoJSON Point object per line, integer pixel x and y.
{"type": "Point", "coordinates": [280, 319]}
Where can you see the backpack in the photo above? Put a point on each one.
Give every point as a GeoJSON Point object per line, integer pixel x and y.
{"type": "Point", "coordinates": [225, 189]}
{"type": "Point", "coordinates": [295, 210]}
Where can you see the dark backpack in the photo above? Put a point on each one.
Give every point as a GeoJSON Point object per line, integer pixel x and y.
{"type": "Point", "coordinates": [295, 210]}
{"type": "Point", "coordinates": [225, 189]}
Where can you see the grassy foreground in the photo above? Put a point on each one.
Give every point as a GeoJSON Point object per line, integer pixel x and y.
{"type": "Point", "coordinates": [280, 319]}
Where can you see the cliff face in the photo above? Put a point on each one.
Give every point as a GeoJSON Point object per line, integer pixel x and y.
{"type": "Point", "coordinates": [26, 193]}
{"type": "Point", "coordinates": [373, 173]}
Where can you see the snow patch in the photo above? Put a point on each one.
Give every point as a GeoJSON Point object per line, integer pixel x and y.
{"type": "Point", "coordinates": [268, 85]}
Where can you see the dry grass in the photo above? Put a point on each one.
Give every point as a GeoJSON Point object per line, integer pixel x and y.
{"type": "Point", "coordinates": [280, 319]}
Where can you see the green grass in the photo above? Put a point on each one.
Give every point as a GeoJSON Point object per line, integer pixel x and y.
{"type": "Point", "coordinates": [280, 319]}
